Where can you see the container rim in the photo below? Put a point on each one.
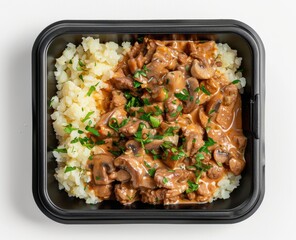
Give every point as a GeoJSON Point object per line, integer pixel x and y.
{"type": "Point", "coordinates": [142, 26]}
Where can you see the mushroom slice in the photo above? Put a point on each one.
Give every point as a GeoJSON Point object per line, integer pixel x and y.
{"type": "Point", "coordinates": [103, 166]}
{"type": "Point", "coordinates": [220, 156]}
{"type": "Point", "coordinates": [192, 102]}
{"type": "Point", "coordinates": [201, 69]}
{"type": "Point", "coordinates": [236, 165]}
{"type": "Point", "coordinates": [134, 166]}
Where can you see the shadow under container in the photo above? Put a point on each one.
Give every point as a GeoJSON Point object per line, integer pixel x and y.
{"type": "Point", "coordinates": [56, 204]}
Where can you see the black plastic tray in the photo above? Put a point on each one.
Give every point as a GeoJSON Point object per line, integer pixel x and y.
{"type": "Point", "coordinates": [58, 206]}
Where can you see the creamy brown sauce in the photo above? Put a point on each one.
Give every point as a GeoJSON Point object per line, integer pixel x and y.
{"type": "Point", "coordinates": [171, 126]}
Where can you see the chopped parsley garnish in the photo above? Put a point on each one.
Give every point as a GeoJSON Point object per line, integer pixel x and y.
{"type": "Point", "coordinates": [212, 111]}
{"type": "Point", "coordinates": [139, 138]}
{"type": "Point", "coordinates": [145, 117]}
{"type": "Point", "coordinates": [60, 150]}
{"type": "Point", "coordinates": [116, 153]}
{"type": "Point", "coordinates": [178, 110]}
{"type": "Point", "coordinates": [147, 164]}
{"type": "Point", "coordinates": [132, 101]}
{"type": "Point", "coordinates": [206, 91]}
{"type": "Point", "coordinates": [51, 102]}
{"type": "Point", "coordinates": [208, 143]}
{"type": "Point", "coordinates": [98, 178]}
{"type": "Point", "coordinates": [75, 140]}
{"type": "Point", "coordinates": [192, 187]}
{"type": "Point", "coordinates": [141, 72]}
{"type": "Point", "coordinates": [81, 77]}
{"type": "Point", "coordinates": [69, 169]}
{"type": "Point", "coordinates": [87, 116]}
{"type": "Point", "coordinates": [197, 101]}
{"type": "Point", "coordinates": [92, 130]}
{"type": "Point", "coordinates": [196, 89]}
{"type": "Point", "coordinates": [68, 129]}
{"type": "Point", "coordinates": [183, 95]}
{"type": "Point", "coordinates": [70, 61]}
{"type": "Point", "coordinates": [151, 172]}
{"type": "Point", "coordinates": [167, 145]}
{"type": "Point", "coordinates": [146, 101]}
{"type": "Point", "coordinates": [91, 89]}
{"type": "Point", "coordinates": [91, 157]}
{"type": "Point", "coordinates": [113, 123]}
{"type": "Point", "coordinates": [158, 111]}
{"type": "Point", "coordinates": [137, 84]}
{"type": "Point", "coordinates": [236, 81]}
{"type": "Point", "coordinates": [165, 180]}
{"type": "Point", "coordinates": [170, 131]}
{"type": "Point", "coordinates": [81, 64]}
{"type": "Point", "coordinates": [100, 142]}
{"type": "Point", "coordinates": [86, 142]}
{"type": "Point", "coordinates": [178, 154]}
{"type": "Point", "coordinates": [154, 122]}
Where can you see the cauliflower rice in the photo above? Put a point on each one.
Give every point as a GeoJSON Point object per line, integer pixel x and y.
{"type": "Point", "coordinates": [86, 68]}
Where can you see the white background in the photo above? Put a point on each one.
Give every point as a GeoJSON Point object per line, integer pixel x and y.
{"type": "Point", "coordinates": [22, 21]}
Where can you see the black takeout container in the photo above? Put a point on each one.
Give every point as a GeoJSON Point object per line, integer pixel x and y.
{"type": "Point", "coordinates": [56, 204]}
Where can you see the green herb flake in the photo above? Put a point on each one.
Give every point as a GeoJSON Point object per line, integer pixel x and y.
{"type": "Point", "coordinates": [197, 101]}
{"type": "Point", "coordinates": [165, 180]}
{"type": "Point", "coordinates": [100, 142]}
{"type": "Point", "coordinates": [91, 157]}
{"type": "Point", "coordinates": [87, 116]}
{"type": "Point", "coordinates": [68, 129]}
{"type": "Point", "coordinates": [206, 91]}
{"type": "Point", "coordinates": [80, 131]}
{"type": "Point", "coordinates": [154, 122]}
{"type": "Point", "coordinates": [199, 156]}
{"type": "Point", "coordinates": [187, 67]}
{"type": "Point", "coordinates": [60, 150]}
{"type": "Point", "coordinates": [236, 81]}
{"type": "Point", "coordinates": [113, 123]}
{"type": "Point", "coordinates": [151, 172]}
{"type": "Point", "coordinates": [183, 95]}
{"type": "Point", "coordinates": [69, 169]}
{"type": "Point", "coordinates": [196, 89]}
{"type": "Point", "coordinates": [115, 153]}
{"type": "Point", "coordinates": [75, 140]}
{"type": "Point", "coordinates": [212, 111]}
{"type": "Point", "coordinates": [90, 91]}
{"type": "Point", "coordinates": [146, 101]}
{"type": "Point", "coordinates": [98, 178]}
{"type": "Point", "coordinates": [147, 164]}
{"type": "Point", "coordinates": [70, 61]}
{"type": "Point", "coordinates": [92, 130]}
{"type": "Point", "coordinates": [158, 111]}
{"type": "Point", "coordinates": [141, 72]}
{"type": "Point", "coordinates": [137, 84]}
{"type": "Point", "coordinates": [81, 77]}
{"type": "Point", "coordinates": [81, 64]}
{"type": "Point", "coordinates": [192, 187]}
